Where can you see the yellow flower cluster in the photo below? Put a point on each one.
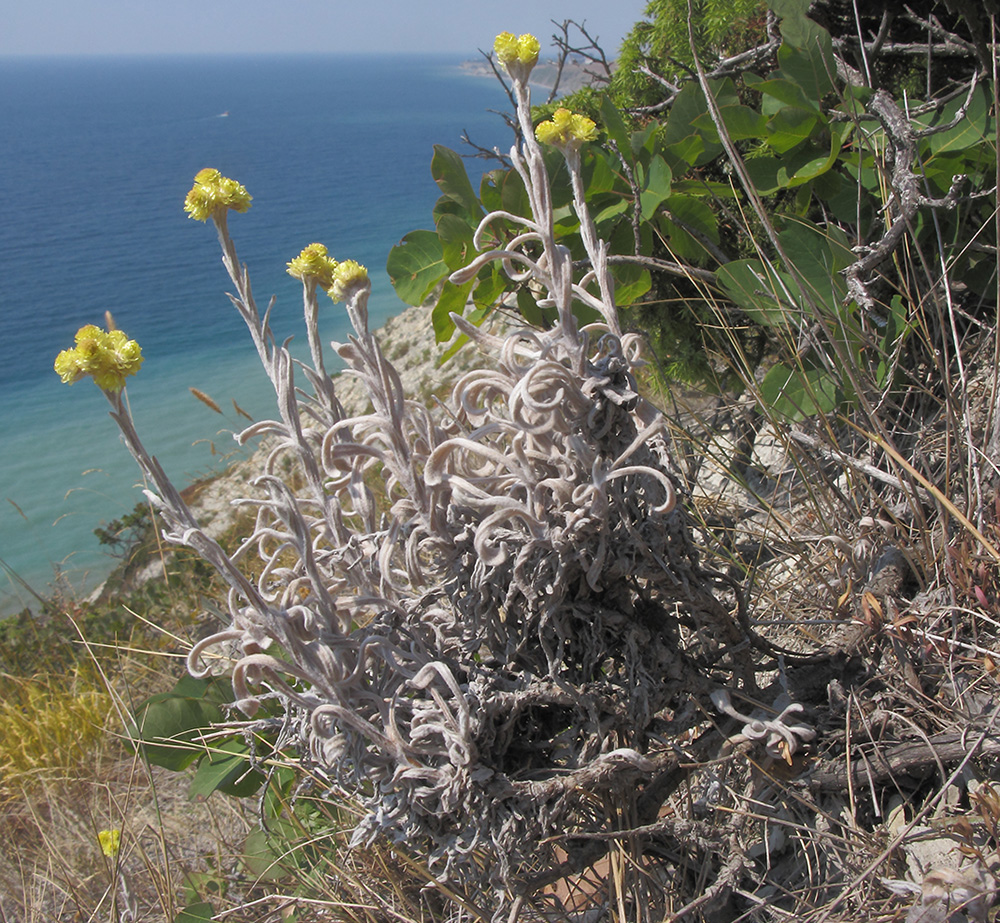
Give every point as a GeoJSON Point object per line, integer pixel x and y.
{"type": "Point", "coordinates": [111, 842]}
{"type": "Point", "coordinates": [109, 358]}
{"type": "Point", "coordinates": [213, 192]}
{"type": "Point", "coordinates": [519, 49]}
{"type": "Point", "coordinates": [565, 129]}
{"type": "Point", "coordinates": [314, 263]}
{"type": "Point", "coordinates": [346, 276]}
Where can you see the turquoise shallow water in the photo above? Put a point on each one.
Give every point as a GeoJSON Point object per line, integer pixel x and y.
{"type": "Point", "coordinates": [95, 158]}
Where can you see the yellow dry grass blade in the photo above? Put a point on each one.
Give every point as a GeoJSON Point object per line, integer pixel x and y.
{"type": "Point", "coordinates": [205, 399]}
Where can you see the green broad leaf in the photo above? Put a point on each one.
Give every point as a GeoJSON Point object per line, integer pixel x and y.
{"type": "Point", "coordinates": [800, 32]}
{"type": "Point", "coordinates": [478, 313]}
{"type": "Point", "coordinates": [448, 170]}
{"type": "Point", "coordinates": [170, 727]}
{"type": "Point", "coordinates": [202, 912]}
{"type": "Point", "coordinates": [768, 297]}
{"type": "Point", "coordinates": [452, 300]}
{"type": "Point", "coordinates": [218, 689]}
{"type": "Point", "coordinates": [780, 92]}
{"type": "Point", "coordinates": [657, 187]}
{"type": "Point", "coordinates": [622, 237]}
{"type": "Point", "coordinates": [456, 236]}
{"type": "Point", "coordinates": [614, 125]}
{"type": "Point", "coordinates": [225, 768]}
{"type": "Point", "coordinates": [818, 255]}
{"type": "Point", "coordinates": [789, 127]}
{"type": "Point", "coordinates": [844, 200]}
{"type": "Point", "coordinates": [514, 196]}
{"type": "Point", "coordinates": [445, 206]}
{"type": "Point", "coordinates": [694, 109]}
{"type": "Point", "coordinates": [810, 170]}
{"type": "Point", "coordinates": [686, 223]}
{"type": "Point", "coordinates": [741, 123]}
{"type": "Point", "coordinates": [688, 150]}
{"type": "Point", "coordinates": [492, 284]}
{"type": "Point", "coordinates": [789, 9]}
{"type": "Point", "coordinates": [805, 34]}
{"type": "Point", "coordinates": [976, 125]}
{"type": "Point", "coordinates": [555, 166]}
{"type": "Point", "coordinates": [610, 212]}
{"type": "Point", "coordinates": [764, 173]}
{"type": "Point", "coordinates": [866, 173]}
{"type": "Point", "coordinates": [534, 315]}
{"type": "Point", "coordinates": [791, 163]}
{"type": "Point", "coordinates": [631, 283]}
{"type": "Point", "coordinates": [981, 276]}
{"type": "Point", "coordinates": [696, 213]}
{"type": "Point", "coordinates": [585, 314]}
{"type": "Point", "coordinates": [416, 265]}
{"type": "Point", "coordinates": [819, 165]}
{"type": "Point", "coordinates": [271, 854]}
{"type": "Point", "coordinates": [460, 341]}
{"type": "Point", "coordinates": [489, 190]}
{"type": "Point", "coordinates": [810, 65]}
{"type": "Point", "coordinates": [707, 188]}
{"type": "Point", "coordinates": [644, 142]}
{"type": "Point", "coordinates": [724, 92]}
{"type": "Point", "coordinates": [687, 108]}
{"type": "Point", "coordinates": [769, 173]}
{"type": "Point", "coordinates": [897, 326]}
{"type": "Point", "coordinates": [940, 170]}
{"type": "Point", "coordinates": [598, 174]}
{"type": "Point", "coordinates": [855, 99]}
{"type": "Point", "coordinates": [565, 221]}
{"type": "Point", "coordinates": [797, 393]}
{"type": "Point", "coordinates": [277, 795]}
{"type": "Point", "coordinates": [198, 885]}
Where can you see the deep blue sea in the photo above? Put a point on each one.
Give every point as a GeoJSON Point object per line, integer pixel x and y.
{"type": "Point", "coordinates": [96, 156]}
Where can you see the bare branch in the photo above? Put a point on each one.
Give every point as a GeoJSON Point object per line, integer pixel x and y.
{"type": "Point", "coordinates": [489, 153]}
{"type": "Point", "coordinates": [676, 269]}
{"type": "Point", "coordinates": [590, 50]}
{"type": "Point", "coordinates": [907, 197]}
{"type": "Point", "coordinates": [728, 67]}
{"type": "Point", "coordinates": [933, 27]}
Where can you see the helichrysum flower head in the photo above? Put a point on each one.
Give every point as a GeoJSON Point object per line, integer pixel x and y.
{"type": "Point", "coordinates": [111, 842]}
{"type": "Point", "coordinates": [518, 53]}
{"type": "Point", "coordinates": [348, 276]}
{"type": "Point", "coordinates": [212, 192]}
{"type": "Point", "coordinates": [566, 129]}
{"type": "Point", "coordinates": [314, 263]}
{"type": "Point", "coordinates": [107, 357]}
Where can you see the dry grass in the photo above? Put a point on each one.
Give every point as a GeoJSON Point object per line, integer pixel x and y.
{"type": "Point", "coordinates": [68, 772]}
{"type": "Point", "coordinates": [52, 726]}
{"type": "Point", "coordinates": [51, 863]}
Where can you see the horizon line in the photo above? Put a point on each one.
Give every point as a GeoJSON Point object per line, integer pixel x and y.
{"type": "Point", "coordinates": [93, 55]}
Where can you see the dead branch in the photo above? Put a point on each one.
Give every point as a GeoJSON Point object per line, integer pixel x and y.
{"type": "Point", "coordinates": [906, 758]}
{"type": "Point", "coordinates": [489, 153]}
{"type": "Point", "coordinates": [727, 67]}
{"type": "Point", "coordinates": [907, 197]}
{"type": "Point", "coordinates": [590, 51]}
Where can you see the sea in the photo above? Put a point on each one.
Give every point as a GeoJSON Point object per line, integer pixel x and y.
{"type": "Point", "coordinates": [96, 156]}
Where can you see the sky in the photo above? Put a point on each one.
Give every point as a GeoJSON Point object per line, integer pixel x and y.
{"type": "Point", "coordinates": [73, 27]}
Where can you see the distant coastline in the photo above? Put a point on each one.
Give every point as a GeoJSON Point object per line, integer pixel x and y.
{"type": "Point", "coordinates": [576, 74]}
